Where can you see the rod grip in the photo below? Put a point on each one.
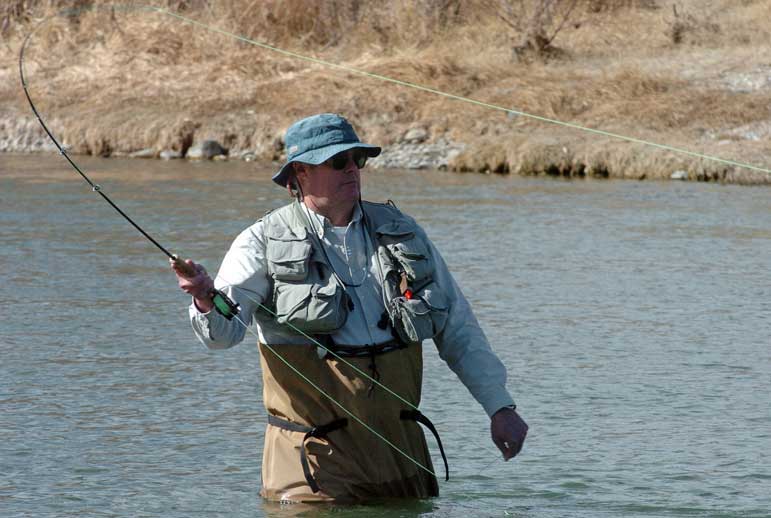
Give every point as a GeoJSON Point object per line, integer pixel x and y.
{"type": "Point", "coordinates": [185, 269]}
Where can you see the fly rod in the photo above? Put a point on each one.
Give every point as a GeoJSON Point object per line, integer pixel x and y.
{"type": "Point", "coordinates": [222, 303]}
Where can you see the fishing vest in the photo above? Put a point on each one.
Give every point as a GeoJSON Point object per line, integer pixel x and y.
{"type": "Point", "coordinates": [308, 296]}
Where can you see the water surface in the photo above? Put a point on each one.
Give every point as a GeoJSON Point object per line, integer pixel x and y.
{"type": "Point", "coordinates": [633, 319]}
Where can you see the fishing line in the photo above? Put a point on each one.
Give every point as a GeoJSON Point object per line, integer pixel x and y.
{"type": "Point", "coordinates": [511, 111]}
{"type": "Point", "coordinates": [408, 84]}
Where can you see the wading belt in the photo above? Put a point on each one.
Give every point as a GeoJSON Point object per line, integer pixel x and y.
{"type": "Point", "coordinates": [320, 432]}
{"type": "Point", "coordinates": [359, 351]}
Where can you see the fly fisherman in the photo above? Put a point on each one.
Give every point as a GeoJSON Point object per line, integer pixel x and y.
{"type": "Point", "coordinates": [345, 291]}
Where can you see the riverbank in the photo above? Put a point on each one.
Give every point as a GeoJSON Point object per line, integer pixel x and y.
{"type": "Point", "coordinates": [146, 84]}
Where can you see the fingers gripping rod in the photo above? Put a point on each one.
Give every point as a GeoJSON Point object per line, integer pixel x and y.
{"type": "Point", "coordinates": [224, 305]}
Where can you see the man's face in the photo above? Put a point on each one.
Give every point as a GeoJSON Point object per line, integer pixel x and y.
{"type": "Point", "coordinates": [328, 185]}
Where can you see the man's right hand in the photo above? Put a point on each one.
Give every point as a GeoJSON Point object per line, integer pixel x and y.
{"type": "Point", "coordinates": [199, 286]}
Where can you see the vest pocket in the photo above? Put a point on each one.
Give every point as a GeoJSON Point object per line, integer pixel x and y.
{"type": "Point", "coordinates": [289, 257]}
{"type": "Point", "coordinates": [407, 249]}
{"type": "Point", "coordinates": [421, 317]}
{"type": "Point", "coordinates": [311, 308]}
{"type": "Point", "coordinates": [413, 258]}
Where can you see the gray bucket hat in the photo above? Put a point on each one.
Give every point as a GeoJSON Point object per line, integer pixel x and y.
{"type": "Point", "coordinates": [318, 138]}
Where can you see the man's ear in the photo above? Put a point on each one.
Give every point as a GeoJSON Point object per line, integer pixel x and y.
{"type": "Point", "coordinates": [293, 184]}
{"type": "Point", "coordinates": [299, 174]}
{"type": "Point", "coordinates": [299, 169]}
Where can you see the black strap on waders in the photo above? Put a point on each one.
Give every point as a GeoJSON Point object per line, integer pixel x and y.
{"type": "Point", "coordinates": [319, 432]}
{"type": "Point", "coordinates": [418, 417]}
{"type": "Point", "coordinates": [359, 351]}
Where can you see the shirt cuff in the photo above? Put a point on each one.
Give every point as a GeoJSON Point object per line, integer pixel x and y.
{"type": "Point", "coordinates": [496, 402]}
{"type": "Point", "coordinates": [200, 321]}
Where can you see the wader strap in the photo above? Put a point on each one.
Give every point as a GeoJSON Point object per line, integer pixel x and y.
{"type": "Point", "coordinates": [318, 432]}
{"type": "Point", "coordinates": [415, 415]}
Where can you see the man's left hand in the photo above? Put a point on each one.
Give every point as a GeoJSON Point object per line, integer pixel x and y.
{"type": "Point", "coordinates": [508, 431]}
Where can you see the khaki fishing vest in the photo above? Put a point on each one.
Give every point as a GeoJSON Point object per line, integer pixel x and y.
{"type": "Point", "coordinates": [314, 450]}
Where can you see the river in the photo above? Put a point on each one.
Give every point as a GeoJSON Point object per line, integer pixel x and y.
{"type": "Point", "coordinates": [633, 318]}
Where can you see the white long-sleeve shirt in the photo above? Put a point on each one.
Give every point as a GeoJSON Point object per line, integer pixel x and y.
{"type": "Point", "coordinates": [243, 276]}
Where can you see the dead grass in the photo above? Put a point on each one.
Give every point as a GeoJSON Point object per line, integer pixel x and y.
{"type": "Point", "coordinates": [119, 80]}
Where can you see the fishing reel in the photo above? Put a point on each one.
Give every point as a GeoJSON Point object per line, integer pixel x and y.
{"type": "Point", "coordinates": [224, 305]}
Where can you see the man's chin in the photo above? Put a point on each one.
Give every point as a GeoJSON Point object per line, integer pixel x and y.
{"type": "Point", "coordinates": [350, 191]}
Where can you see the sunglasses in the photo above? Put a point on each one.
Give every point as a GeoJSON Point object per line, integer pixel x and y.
{"type": "Point", "coordinates": [340, 160]}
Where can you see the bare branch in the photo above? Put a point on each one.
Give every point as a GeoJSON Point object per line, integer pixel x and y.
{"type": "Point", "coordinates": [565, 19]}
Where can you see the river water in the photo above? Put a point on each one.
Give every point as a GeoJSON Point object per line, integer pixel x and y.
{"type": "Point", "coordinates": [633, 319]}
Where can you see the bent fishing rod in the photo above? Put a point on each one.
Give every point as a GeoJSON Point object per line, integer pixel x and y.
{"type": "Point", "coordinates": [222, 303]}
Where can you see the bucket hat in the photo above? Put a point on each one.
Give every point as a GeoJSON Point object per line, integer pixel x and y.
{"type": "Point", "coordinates": [318, 138]}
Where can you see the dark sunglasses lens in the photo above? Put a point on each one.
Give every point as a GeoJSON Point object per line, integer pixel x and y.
{"type": "Point", "coordinates": [338, 162]}
{"type": "Point", "coordinates": [360, 159]}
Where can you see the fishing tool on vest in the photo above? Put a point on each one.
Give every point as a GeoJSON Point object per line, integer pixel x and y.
{"type": "Point", "coordinates": [222, 303]}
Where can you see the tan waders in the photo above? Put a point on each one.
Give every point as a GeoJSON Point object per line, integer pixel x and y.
{"type": "Point", "coordinates": [315, 452]}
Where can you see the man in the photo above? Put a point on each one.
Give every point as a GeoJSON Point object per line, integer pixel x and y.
{"type": "Point", "coordinates": [343, 292]}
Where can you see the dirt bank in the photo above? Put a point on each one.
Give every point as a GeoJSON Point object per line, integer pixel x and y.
{"type": "Point", "coordinates": [136, 81]}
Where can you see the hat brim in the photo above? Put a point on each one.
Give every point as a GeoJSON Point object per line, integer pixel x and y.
{"type": "Point", "coordinates": [319, 156]}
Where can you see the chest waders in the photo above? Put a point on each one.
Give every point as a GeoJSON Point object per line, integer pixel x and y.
{"type": "Point", "coordinates": [313, 452]}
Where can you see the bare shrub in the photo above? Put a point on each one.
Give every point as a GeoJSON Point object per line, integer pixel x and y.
{"type": "Point", "coordinates": [536, 22]}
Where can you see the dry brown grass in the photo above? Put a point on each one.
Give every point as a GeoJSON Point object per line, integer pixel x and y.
{"type": "Point", "coordinates": [117, 80]}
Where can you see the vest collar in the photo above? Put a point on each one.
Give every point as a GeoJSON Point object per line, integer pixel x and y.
{"type": "Point", "coordinates": [321, 224]}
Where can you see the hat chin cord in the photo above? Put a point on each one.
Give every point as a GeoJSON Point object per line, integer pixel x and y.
{"type": "Point", "coordinates": [295, 189]}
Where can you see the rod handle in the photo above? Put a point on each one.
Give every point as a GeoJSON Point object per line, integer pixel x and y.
{"type": "Point", "coordinates": [185, 269]}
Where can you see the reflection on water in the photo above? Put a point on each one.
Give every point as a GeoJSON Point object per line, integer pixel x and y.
{"type": "Point", "coordinates": [633, 318]}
